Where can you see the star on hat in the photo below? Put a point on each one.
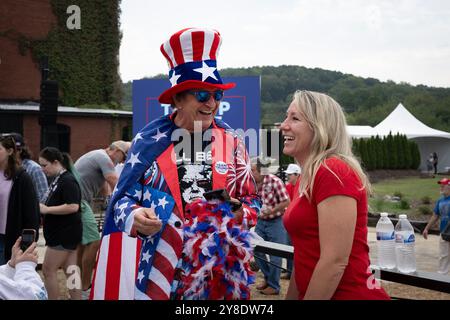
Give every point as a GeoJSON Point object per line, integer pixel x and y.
{"type": "Point", "coordinates": [192, 57]}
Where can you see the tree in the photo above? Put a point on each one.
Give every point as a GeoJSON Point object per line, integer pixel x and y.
{"type": "Point", "coordinates": [400, 152]}
{"type": "Point", "coordinates": [364, 153]}
{"type": "Point", "coordinates": [381, 153]}
{"type": "Point", "coordinates": [408, 153]}
{"type": "Point", "coordinates": [391, 152]}
{"type": "Point", "coordinates": [415, 154]}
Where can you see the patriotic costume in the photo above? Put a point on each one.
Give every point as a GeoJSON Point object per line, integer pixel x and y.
{"type": "Point", "coordinates": [132, 266]}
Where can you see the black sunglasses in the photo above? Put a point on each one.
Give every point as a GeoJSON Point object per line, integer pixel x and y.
{"type": "Point", "coordinates": [203, 95]}
{"type": "Point", "coordinates": [5, 137]}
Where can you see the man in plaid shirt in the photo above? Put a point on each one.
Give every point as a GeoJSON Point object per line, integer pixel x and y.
{"type": "Point", "coordinates": [275, 199]}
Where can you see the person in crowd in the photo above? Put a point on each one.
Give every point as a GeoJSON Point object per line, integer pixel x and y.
{"type": "Point", "coordinates": [435, 162]}
{"type": "Point", "coordinates": [19, 206]}
{"type": "Point", "coordinates": [292, 173]}
{"type": "Point", "coordinates": [30, 166]}
{"type": "Point", "coordinates": [164, 156]}
{"type": "Point", "coordinates": [61, 223]}
{"type": "Point", "coordinates": [18, 278]}
{"type": "Point", "coordinates": [430, 165]}
{"type": "Point", "coordinates": [275, 199]}
{"type": "Point", "coordinates": [97, 174]}
{"type": "Point", "coordinates": [327, 221]}
{"type": "Point", "coordinates": [442, 212]}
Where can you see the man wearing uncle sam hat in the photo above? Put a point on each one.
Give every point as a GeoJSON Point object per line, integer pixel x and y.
{"type": "Point", "coordinates": [144, 237]}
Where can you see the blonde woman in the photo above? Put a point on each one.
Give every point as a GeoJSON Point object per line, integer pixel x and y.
{"type": "Point", "coordinates": [327, 220]}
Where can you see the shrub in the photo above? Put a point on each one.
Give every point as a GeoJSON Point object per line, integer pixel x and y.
{"type": "Point", "coordinates": [425, 210]}
{"type": "Point", "coordinates": [398, 194]}
{"type": "Point", "coordinates": [379, 205]}
{"type": "Point", "coordinates": [403, 204]}
{"type": "Point", "coordinates": [426, 200]}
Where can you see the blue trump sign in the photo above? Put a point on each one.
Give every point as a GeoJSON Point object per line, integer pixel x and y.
{"type": "Point", "coordinates": [240, 107]}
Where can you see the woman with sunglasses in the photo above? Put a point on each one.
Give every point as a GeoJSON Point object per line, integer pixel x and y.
{"type": "Point", "coordinates": [19, 206]}
{"type": "Point", "coordinates": [173, 161]}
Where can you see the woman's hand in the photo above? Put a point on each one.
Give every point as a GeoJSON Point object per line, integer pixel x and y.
{"type": "Point", "coordinates": [146, 222]}
{"type": "Point", "coordinates": [31, 254]}
{"type": "Point", "coordinates": [15, 252]}
{"type": "Point", "coordinates": [17, 255]}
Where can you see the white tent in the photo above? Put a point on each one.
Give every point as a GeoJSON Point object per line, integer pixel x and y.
{"type": "Point", "coordinates": [402, 121]}
{"type": "Point", "coordinates": [361, 131]}
{"type": "Point", "coordinates": [428, 139]}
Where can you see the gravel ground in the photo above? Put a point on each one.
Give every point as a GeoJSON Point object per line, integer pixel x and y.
{"type": "Point", "coordinates": [394, 290]}
{"type": "Point", "coordinates": [426, 254]}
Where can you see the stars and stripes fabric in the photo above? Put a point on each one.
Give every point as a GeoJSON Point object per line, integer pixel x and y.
{"type": "Point", "coordinates": [191, 44]}
{"type": "Point", "coordinates": [130, 266]}
{"type": "Point", "coordinates": [192, 57]}
{"type": "Point", "coordinates": [120, 255]}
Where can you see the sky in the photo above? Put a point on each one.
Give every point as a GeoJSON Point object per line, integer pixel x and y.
{"type": "Point", "coordinates": [398, 40]}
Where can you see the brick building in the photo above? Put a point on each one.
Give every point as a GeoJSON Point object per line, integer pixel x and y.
{"type": "Point", "coordinates": [80, 130]}
{"type": "Point", "coordinates": [20, 75]}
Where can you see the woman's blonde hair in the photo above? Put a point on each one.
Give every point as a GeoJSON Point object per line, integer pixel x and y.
{"type": "Point", "coordinates": [330, 138]}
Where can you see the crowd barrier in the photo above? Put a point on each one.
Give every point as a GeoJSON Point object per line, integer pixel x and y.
{"type": "Point", "coordinates": [420, 279]}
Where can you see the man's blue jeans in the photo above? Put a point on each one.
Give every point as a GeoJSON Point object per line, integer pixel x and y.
{"type": "Point", "coordinates": [289, 261]}
{"type": "Point", "coordinates": [270, 230]}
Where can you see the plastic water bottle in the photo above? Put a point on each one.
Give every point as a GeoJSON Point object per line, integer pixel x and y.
{"type": "Point", "coordinates": [385, 242]}
{"type": "Point", "coordinates": [404, 245]}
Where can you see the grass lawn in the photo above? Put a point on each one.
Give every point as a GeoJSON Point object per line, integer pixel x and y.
{"type": "Point", "coordinates": [413, 190]}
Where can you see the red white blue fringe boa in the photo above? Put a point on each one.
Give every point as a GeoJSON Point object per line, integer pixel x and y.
{"type": "Point", "coordinates": [216, 254]}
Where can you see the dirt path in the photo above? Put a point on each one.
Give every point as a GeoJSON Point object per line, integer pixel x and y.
{"type": "Point", "coordinates": [426, 254]}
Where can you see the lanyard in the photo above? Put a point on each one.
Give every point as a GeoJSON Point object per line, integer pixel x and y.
{"type": "Point", "coordinates": [52, 187]}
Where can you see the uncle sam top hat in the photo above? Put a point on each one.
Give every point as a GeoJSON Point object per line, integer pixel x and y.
{"type": "Point", "coordinates": [192, 57]}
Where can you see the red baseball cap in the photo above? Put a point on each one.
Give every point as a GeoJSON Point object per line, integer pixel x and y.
{"type": "Point", "coordinates": [444, 181]}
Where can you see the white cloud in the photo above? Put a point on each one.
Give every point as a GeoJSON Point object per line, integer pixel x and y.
{"type": "Point", "coordinates": [402, 40]}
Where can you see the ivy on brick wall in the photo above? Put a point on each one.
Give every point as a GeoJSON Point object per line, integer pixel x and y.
{"type": "Point", "coordinates": [84, 61]}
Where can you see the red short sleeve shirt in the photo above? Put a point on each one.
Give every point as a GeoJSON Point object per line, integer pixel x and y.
{"type": "Point", "coordinates": [301, 222]}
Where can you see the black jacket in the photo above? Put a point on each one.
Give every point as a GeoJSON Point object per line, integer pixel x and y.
{"type": "Point", "coordinates": [23, 210]}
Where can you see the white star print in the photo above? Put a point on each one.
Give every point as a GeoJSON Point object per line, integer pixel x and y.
{"type": "Point", "coordinates": [153, 206]}
{"type": "Point", "coordinates": [162, 202]}
{"type": "Point", "coordinates": [122, 206]}
{"type": "Point", "coordinates": [146, 256]}
{"type": "Point", "coordinates": [137, 194]}
{"type": "Point", "coordinates": [174, 78]}
{"type": "Point", "coordinates": [137, 137]}
{"type": "Point", "coordinates": [141, 276]}
{"type": "Point", "coordinates": [134, 159]}
{"type": "Point", "coordinates": [120, 217]}
{"type": "Point", "coordinates": [147, 195]}
{"type": "Point", "coordinates": [159, 135]}
{"type": "Point", "coordinates": [206, 71]}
